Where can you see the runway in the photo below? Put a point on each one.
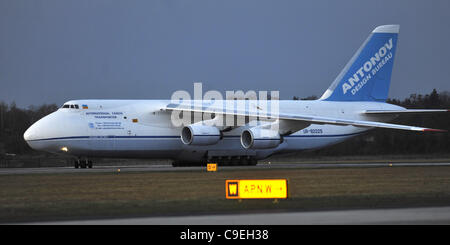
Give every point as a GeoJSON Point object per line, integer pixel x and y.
{"type": "Point", "coordinates": [168, 168]}
{"type": "Point", "coordinates": [416, 216]}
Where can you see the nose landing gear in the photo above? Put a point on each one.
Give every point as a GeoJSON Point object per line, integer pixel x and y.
{"type": "Point", "coordinates": [83, 163]}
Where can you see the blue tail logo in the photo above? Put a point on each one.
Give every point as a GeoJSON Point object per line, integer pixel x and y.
{"type": "Point", "coordinates": [367, 76]}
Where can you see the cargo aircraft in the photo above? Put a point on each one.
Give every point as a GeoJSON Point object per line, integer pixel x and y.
{"type": "Point", "coordinates": [354, 103]}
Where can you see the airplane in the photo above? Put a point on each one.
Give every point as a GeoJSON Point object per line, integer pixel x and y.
{"type": "Point", "coordinates": [354, 103]}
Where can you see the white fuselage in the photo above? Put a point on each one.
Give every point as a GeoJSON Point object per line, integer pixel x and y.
{"type": "Point", "coordinates": [141, 129]}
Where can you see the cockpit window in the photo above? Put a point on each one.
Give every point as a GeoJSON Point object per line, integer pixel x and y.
{"type": "Point", "coordinates": [71, 106]}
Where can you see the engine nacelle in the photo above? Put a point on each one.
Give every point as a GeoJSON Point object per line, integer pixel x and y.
{"type": "Point", "coordinates": [259, 138]}
{"type": "Point", "coordinates": [198, 134]}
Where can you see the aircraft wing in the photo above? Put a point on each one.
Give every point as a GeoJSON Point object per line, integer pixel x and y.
{"type": "Point", "coordinates": [406, 111]}
{"type": "Point", "coordinates": [297, 117]}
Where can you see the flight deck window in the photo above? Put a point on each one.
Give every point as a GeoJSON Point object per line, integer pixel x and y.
{"type": "Point", "coordinates": [71, 106]}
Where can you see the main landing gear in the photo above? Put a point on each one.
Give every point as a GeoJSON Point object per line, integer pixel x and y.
{"type": "Point", "coordinates": [83, 163]}
{"type": "Point", "coordinates": [221, 161]}
{"type": "Point", "coordinates": [234, 161]}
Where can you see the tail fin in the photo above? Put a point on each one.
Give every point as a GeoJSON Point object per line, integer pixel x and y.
{"type": "Point", "coordinates": [367, 75]}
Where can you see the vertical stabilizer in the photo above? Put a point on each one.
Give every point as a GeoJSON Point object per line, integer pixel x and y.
{"type": "Point", "coordinates": [367, 76]}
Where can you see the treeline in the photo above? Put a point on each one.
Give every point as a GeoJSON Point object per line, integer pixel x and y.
{"type": "Point", "coordinates": [14, 121]}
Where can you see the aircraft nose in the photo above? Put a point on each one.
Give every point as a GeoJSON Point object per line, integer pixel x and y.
{"type": "Point", "coordinates": [39, 129]}
{"type": "Point", "coordinates": [31, 133]}
{"type": "Point", "coordinates": [37, 135]}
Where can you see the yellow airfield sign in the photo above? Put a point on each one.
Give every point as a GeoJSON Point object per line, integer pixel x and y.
{"type": "Point", "coordinates": [211, 167]}
{"type": "Point", "coordinates": [256, 189]}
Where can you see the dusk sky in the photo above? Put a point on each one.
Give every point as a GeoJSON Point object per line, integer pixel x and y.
{"type": "Point", "coordinates": [52, 51]}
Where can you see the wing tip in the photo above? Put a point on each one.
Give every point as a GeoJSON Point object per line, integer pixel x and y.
{"type": "Point", "coordinates": [434, 130]}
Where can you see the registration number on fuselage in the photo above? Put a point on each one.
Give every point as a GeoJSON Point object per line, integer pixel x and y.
{"type": "Point", "coordinates": [313, 131]}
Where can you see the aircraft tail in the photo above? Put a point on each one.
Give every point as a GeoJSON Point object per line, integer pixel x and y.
{"type": "Point", "coordinates": [367, 76]}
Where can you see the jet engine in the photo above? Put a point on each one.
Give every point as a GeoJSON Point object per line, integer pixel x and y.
{"type": "Point", "coordinates": [260, 138]}
{"type": "Point", "coordinates": [198, 134]}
